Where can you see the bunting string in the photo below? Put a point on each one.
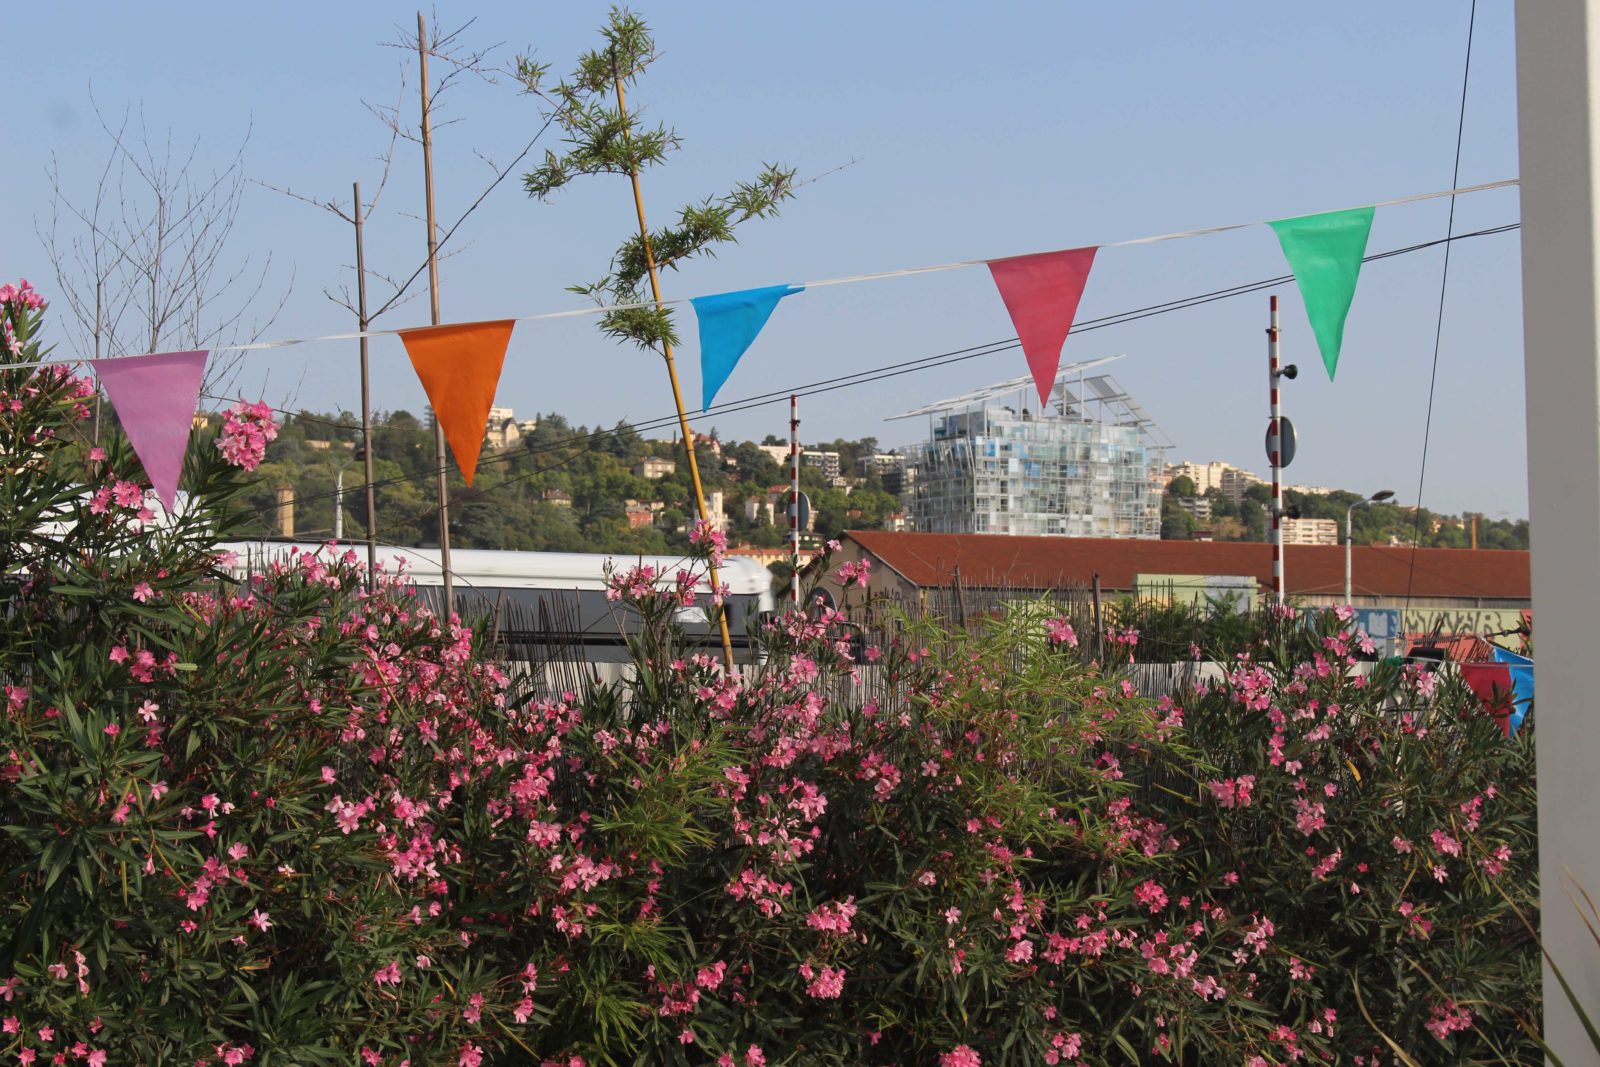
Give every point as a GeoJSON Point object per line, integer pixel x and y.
{"type": "Point", "coordinates": [849, 279]}
{"type": "Point", "coordinates": [459, 364]}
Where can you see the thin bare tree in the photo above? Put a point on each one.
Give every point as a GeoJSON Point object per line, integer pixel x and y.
{"type": "Point", "coordinates": [143, 259]}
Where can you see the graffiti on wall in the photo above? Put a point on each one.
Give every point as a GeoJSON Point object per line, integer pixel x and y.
{"type": "Point", "coordinates": [1462, 620]}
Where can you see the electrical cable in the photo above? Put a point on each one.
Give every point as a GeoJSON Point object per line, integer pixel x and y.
{"type": "Point", "coordinates": [884, 372]}
{"type": "Point", "coordinates": [1444, 281]}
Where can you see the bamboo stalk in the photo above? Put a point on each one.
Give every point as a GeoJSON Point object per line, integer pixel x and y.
{"type": "Point", "coordinates": [672, 369]}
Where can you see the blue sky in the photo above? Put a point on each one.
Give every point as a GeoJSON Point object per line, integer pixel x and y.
{"type": "Point", "coordinates": [976, 130]}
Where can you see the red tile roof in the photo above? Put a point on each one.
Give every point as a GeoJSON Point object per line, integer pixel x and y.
{"type": "Point", "coordinates": [992, 560]}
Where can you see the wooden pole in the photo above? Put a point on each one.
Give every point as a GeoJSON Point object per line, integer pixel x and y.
{"type": "Point", "coordinates": [366, 398]}
{"type": "Point", "coordinates": [1098, 632]}
{"type": "Point", "coordinates": [672, 369]}
{"type": "Point", "coordinates": [433, 299]}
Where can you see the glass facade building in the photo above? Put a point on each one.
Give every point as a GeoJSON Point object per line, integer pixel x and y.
{"type": "Point", "coordinates": [1083, 468]}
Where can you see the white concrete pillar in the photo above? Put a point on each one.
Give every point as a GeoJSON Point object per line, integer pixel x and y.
{"type": "Point", "coordinates": [1558, 118]}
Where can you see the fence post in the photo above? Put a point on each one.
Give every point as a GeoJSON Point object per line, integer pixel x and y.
{"type": "Point", "coordinates": [1098, 647]}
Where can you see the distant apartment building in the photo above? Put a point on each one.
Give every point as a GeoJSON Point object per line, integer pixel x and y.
{"type": "Point", "coordinates": [653, 467]}
{"type": "Point", "coordinates": [1310, 531]}
{"type": "Point", "coordinates": [778, 502]}
{"type": "Point", "coordinates": [779, 453]}
{"type": "Point", "coordinates": [1235, 482]}
{"type": "Point", "coordinates": [825, 462]}
{"type": "Point", "coordinates": [759, 510]}
{"type": "Point", "coordinates": [715, 515]}
{"type": "Point", "coordinates": [639, 514]}
{"type": "Point", "coordinates": [1225, 478]}
{"type": "Point", "coordinates": [1086, 466]}
{"type": "Point", "coordinates": [1205, 476]}
{"type": "Point", "coordinates": [890, 467]}
{"type": "Point", "coordinates": [504, 430]}
{"type": "Point", "coordinates": [1197, 507]}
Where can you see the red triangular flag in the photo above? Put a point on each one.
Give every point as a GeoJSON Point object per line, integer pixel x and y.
{"type": "Point", "coordinates": [1491, 684]}
{"type": "Point", "coordinates": [1041, 291]}
{"type": "Point", "coordinates": [460, 369]}
{"type": "Point", "coordinates": [155, 398]}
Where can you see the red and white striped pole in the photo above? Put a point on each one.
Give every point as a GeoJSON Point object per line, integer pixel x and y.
{"type": "Point", "coordinates": [1274, 456]}
{"type": "Point", "coordinates": [794, 499]}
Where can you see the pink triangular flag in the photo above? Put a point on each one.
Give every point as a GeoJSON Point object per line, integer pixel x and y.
{"type": "Point", "coordinates": [155, 398]}
{"type": "Point", "coordinates": [1041, 291]}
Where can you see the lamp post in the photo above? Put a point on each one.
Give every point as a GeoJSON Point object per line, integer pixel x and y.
{"type": "Point", "coordinates": [338, 500]}
{"type": "Point", "coordinates": [1349, 513]}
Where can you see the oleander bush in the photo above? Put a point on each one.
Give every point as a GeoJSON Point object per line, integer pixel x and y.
{"type": "Point", "coordinates": [297, 818]}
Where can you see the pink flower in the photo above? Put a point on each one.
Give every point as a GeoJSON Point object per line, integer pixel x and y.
{"type": "Point", "coordinates": [142, 592]}
{"type": "Point", "coordinates": [119, 654]}
{"type": "Point", "coordinates": [247, 429]}
{"type": "Point", "coordinates": [1060, 632]}
{"type": "Point", "coordinates": [754, 1057]}
{"type": "Point", "coordinates": [471, 1055]}
{"type": "Point", "coordinates": [828, 983]}
{"type": "Point", "coordinates": [112, 730]}
{"type": "Point", "coordinates": [961, 1056]}
{"type": "Point", "coordinates": [260, 920]}
{"type": "Point", "coordinates": [389, 975]}
{"type": "Point", "coordinates": [1150, 894]}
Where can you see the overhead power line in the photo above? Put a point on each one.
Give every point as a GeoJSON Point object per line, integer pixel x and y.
{"type": "Point", "coordinates": [886, 371]}
{"type": "Point", "coordinates": [1444, 283]}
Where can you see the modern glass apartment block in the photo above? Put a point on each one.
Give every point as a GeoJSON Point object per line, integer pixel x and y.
{"type": "Point", "coordinates": [1088, 466]}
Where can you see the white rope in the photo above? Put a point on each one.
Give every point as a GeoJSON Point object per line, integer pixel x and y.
{"type": "Point", "coordinates": [849, 279]}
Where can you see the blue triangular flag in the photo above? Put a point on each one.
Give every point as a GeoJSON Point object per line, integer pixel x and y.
{"type": "Point", "coordinates": [1521, 683]}
{"type": "Point", "coordinates": [729, 323]}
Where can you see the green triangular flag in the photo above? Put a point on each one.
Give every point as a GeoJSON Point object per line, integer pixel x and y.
{"type": "Point", "coordinates": [1324, 253]}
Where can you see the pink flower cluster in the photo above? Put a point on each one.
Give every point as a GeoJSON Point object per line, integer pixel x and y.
{"type": "Point", "coordinates": [1233, 792]}
{"type": "Point", "coordinates": [19, 297]}
{"type": "Point", "coordinates": [247, 429]}
{"type": "Point", "coordinates": [1060, 632]}
{"type": "Point", "coordinates": [710, 540]}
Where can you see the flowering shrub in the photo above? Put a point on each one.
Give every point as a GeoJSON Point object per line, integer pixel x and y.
{"type": "Point", "coordinates": [1385, 827]}
{"type": "Point", "coordinates": [293, 819]}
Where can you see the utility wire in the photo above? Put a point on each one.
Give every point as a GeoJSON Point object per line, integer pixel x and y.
{"type": "Point", "coordinates": [881, 373]}
{"type": "Point", "coordinates": [1444, 281]}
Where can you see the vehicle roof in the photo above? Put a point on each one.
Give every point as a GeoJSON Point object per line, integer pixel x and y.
{"type": "Point", "coordinates": [515, 570]}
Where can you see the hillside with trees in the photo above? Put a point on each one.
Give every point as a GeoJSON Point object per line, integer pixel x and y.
{"type": "Point", "coordinates": [561, 488]}
{"type": "Point", "coordinates": [1372, 524]}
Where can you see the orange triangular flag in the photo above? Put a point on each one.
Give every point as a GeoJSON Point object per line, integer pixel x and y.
{"type": "Point", "coordinates": [460, 366]}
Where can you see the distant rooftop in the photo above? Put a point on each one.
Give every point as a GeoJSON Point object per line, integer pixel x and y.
{"type": "Point", "coordinates": [987, 560]}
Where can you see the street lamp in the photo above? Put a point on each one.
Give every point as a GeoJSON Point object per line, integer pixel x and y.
{"type": "Point", "coordinates": [338, 500]}
{"type": "Point", "coordinates": [1349, 512]}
